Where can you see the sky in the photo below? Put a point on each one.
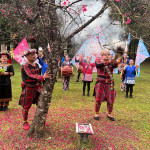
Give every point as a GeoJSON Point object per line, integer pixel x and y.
{"type": "Point", "coordinates": [112, 30]}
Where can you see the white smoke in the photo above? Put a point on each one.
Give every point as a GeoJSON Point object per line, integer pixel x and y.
{"type": "Point", "coordinates": [113, 33]}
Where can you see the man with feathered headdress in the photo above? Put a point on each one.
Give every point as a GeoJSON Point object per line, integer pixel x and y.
{"type": "Point", "coordinates": [104, 88]}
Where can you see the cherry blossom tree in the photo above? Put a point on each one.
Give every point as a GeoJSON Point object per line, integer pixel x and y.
{"type": "Point", "coordinates": [39, 18]}
{"type": "Point", "coordinates": [51, 21]}
{"type": "Point", "coordinates": [134, 16]}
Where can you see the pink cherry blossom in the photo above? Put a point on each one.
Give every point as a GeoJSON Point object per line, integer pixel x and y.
{"type": "Point", "coordinates": [3, 10]}
{"type": "Point", "coordinates": [128, 21]}
{"type": "Point", "coordinates": [64, 3]}
{"type": "Point", "coordinates": [84, 8]}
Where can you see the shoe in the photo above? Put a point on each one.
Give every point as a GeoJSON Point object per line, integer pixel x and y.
{"type": "Point", "coordinates": [96, 118]}
{"type": "Point", "coordinates": [26, 126]}
{"type": "Point", "coordinates": [83, 94]}
{"type": "Point", "coordinates": [77, 81]}
{"type": "Point", "coordinates": [126, 96]}
{"type": "Point", "coordinates": [5, 108]}
{"type": "Point", "coordinates": [111, 118]}
{"type": "Point", "coordinates": [1, 108]}
{"type": "Point", "coordinates": [88, 95]}
{"type": "Point", "coordinates": [131, 96]}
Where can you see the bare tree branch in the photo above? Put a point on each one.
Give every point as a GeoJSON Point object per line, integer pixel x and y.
{"type": "Point", "coordinates": [105, 6]}
{"type": "Point", "coordinates": [73, 3]}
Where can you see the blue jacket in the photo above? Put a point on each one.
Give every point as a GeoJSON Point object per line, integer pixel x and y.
{"type": "Point", "coordinates": [44, 65]}
{"type": "Point", "coordinates": [63, 59]}
{"type": "Point", "coordinates": [130, 71]}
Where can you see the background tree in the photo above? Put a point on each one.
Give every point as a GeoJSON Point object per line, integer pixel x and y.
{"type": "Point", "coordinates": [134, 16]}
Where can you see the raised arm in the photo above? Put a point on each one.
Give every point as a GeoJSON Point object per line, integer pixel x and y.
{"type": "Point", "coordinates": [114, 63]}
{"type": "Point", "coordinates": [82, 63]}
{"type": "Point", "coordinates": [77, 60]}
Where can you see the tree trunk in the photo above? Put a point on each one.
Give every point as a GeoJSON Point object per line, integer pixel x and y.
{"type": "Point", "coordinates": [37, 127]}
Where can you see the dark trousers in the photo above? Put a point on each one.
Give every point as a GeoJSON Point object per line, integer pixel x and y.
{"type": "Point", "coordinates": [88, 86]}
{"type": "Point", "coordinates": [78, 75]}
{"type": "Point", "coordinates": [129, 87]}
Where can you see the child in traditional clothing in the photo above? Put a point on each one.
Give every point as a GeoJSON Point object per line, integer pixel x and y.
{"type": "Point", "coordinates": [6, 72]}
{"type": "Point", "coordinates": [87, 74]}
{"type": "Point", "coordinates": [66, 79]}
{"type": "Point", "coordinates": [104, 88]}
{"type": "Point", "coordinates": [31, 84]}
{"type": "Point", "coordinates": [130, 73]}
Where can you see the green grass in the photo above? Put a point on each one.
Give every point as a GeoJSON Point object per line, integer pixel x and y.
{"type": "Point", "coordinates": [131, 129]}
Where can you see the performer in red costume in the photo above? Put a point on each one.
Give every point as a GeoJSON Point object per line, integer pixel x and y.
{"type": "Point", "coordinates": [87, 74]}
{"type": "Point", "coordinates": [104, 88]}
{"type": "Point", "coordinates": [31, 84]}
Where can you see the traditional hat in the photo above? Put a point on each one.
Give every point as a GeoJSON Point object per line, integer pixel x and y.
{"type": "Point", "coordinates": [4, 53]}
{"type": "Point", "coordinates": [28, 51]}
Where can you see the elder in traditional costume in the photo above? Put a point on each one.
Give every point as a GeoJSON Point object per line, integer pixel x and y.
{"type": "Point", "coordinates": [31, 84]}
{"type": "Point", "coordinates": [104, 88]}
{"type": "Point", "coordinates": [6, 72]}
{"type": "Point", "coordinates": [87, 74]}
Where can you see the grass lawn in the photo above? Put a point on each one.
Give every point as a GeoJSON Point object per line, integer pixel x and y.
{"type": "Point", "coordinates": [131, 129]}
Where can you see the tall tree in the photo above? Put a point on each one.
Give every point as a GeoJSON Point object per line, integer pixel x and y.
{"type": "Point", "coordinates": [39, 18]}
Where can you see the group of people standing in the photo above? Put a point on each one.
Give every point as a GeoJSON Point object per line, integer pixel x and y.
{"type": "Point", "coordinates": [32, 81]}
{"type": "Point", "coordinates": [104, 87]}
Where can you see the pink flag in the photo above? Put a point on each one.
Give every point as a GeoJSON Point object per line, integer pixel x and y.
{"type": "Point", "coordinates": [18, 51]}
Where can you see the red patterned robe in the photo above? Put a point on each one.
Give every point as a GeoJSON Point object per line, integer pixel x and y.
{"type": "Point", "coordinates": [31, 87]}
{"type": "Point", "coordinates": [103, 90]}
